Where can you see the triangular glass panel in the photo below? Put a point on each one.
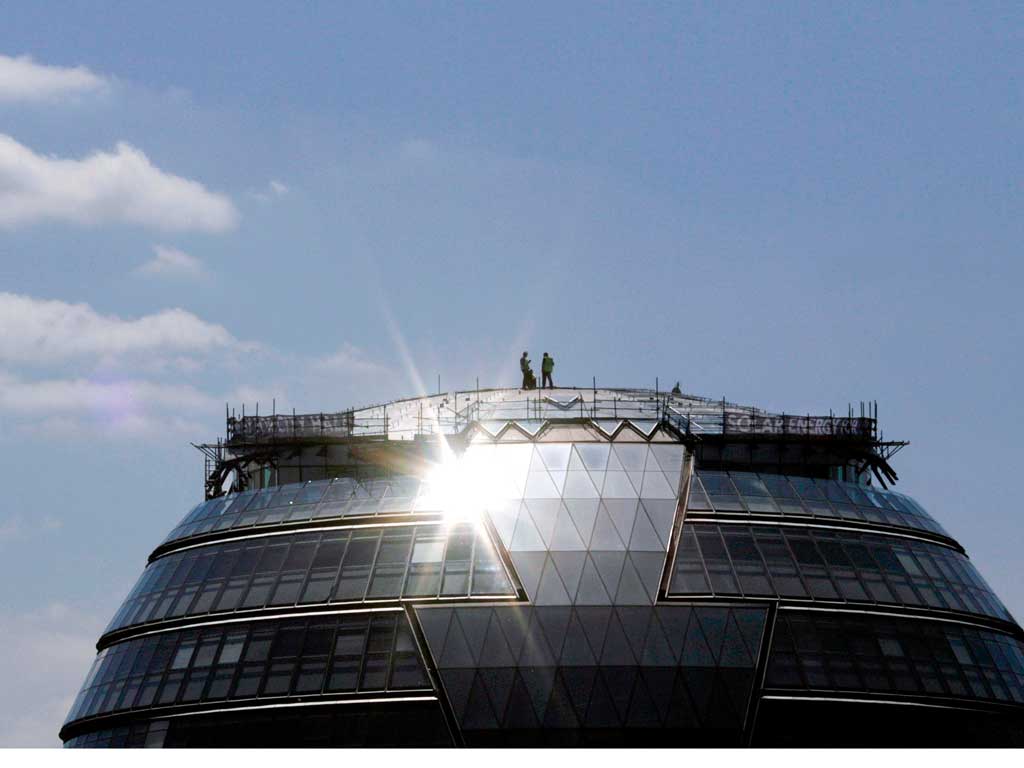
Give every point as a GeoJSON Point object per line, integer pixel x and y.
{"type": "Point", "coordinates": [632, 457]}
{"type": "Point", "coordinates": [657, 649]}
{"type": "Point", "coordinates": [457, 652]}
{"type": "Point", "coordinates": [601, 713]}
{"type": "Point", "coordinates": [642, 711]}
{"type": "Point", "coordinates": [634, 623]}
{"type": "Point", "coordinates": [570, 568]}
{"type": "Point", "coordinates": [649, 567]}
{"type": "Point", "coordinates": [712, 621]}
{"type": "Point", "coordinates": [554, 622]}
{"type": "Point", "coordinates": [631, 589]}
{"type": "Point", "coordinates": [594, 455]}
{"type": "Point", "coordinates": [597, 479]}
{"type": "Point", "coordinates": [734, 649]}
{"type": "Point", "coordinates": [538, 683]}
{"type": "Point", "coordinates": [578, 486]}
{"type": "Point", "coordinates": [670, 458]}
{"type": "Point", "coordinates": [530, 426]}
{"type": "Point", "coordinates": [479, 715]}
{"type": "Point", "coordinates": [503, 515]}
{"type": "Point", "coordinates": [576, 650]}
{"type": "Point", "coordinates": [751, 623]}
{"type": "Point", "coordinates": [558, 478]}
{"type": "Point", "coordinates": [645, 426]}
{"type": "Point", "coordinates": [617, 486]}
{"type": "Point", "coordinates": [560, 713]}
{"type": "Point", "coordinates": [536, 651]}
{"type": "Point", "coordinates": [513, 435]}
{"type": "Point", "coordinates": [681, 713]}
{"type": "Point", "coordinates": [434, 622]}
{"type": "Point", "coordinates": [614, 464]}
{"type": "Point", "coordinates": [643, 538]}
{"type": "Point", "coordinates": [565, 536]}
{"type": "Point", "coordinates": [605, 537]}
{"type": "Point", "coordinates": [579, 682]}
{"type": "Point", "coordinates": [659, 683]}
{"type": "Point", "coordinates": [576, 461]}
{"type": "Point", "coordinates": [591, 590]}
{"type": "Point", "coordinates": [498, 683]}
{"type": "Point", "coordinates": [457, 685]}
{"type": "Point", "coordinates": [520, 712]}
{"type": "Point", "coordinates": [540, 486]}
{"type": "Point", "coordinates": [662, 514]}
{"type": "Point", "coordinates": [656, 486]}
{"type": "Point", "coordinates": [738, 682]}
{"type": "Point", "coordinates": [544, 513]}
{"type": "Point", "coordinates": [620, 681]}
{"type": "Point", "coordinates": [555, 455]}
{"type": "Point", "coordinates": [594, 621]}
{"type": "Point", "coordinates": [537, 462]}
{"type": "Point", "coordinates": [495, 651]}
{"type": "Point", "coordinates": [636, 478]}
{"type": "Point", "coordinates": [474, 623]}
{"type": "Point", "coordinates": [514, 621]}
{"type": "Point", "coordinates": [526, 537]}
{"type": "Point", "coordinates": [623, 514]}
{"type": "Point", "coordinates": [493, 426]}
{"type": "Point", "coordinates": [551, 590]}
{"type": "Point", "coordinates": [529, 567]}
{"type": "Point", "coordinates": [584, 514]}
{"type": "Point", "coordinates": [616, 651]}
{"type": "Point", "coordinates": [609, 567]}
{"type": "Point", "coordinates": [695, 651]}
{"type": "Point", "coordinates": [674, 619]}
{"type": "Point", "coordinates": [608, 426]}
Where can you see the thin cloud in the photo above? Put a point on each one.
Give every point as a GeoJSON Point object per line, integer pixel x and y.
{"type": "Point", "coordinates": [50, 331]}
{"type": "Point", "coordinates": [122, 186]}
{"type": "Point", "coordinates": [273, 190]}
{"type": "Point", "coordinates": [171, 262]}
{"type": "Point", "coordinates": [22, 79]}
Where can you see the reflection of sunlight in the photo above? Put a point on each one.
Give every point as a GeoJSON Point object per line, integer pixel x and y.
{"type": "Point", "coordinates": [462, 487]}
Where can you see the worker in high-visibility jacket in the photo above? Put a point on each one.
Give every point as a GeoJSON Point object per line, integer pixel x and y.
{"type": "Point", "coordinates": [547, 365]}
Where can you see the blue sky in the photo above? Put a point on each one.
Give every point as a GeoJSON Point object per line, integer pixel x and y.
{"type": "Point", "coordinates": [791, 205]}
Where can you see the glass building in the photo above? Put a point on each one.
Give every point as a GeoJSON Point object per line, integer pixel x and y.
{"type": "Point", "coordinates": [572, 567]}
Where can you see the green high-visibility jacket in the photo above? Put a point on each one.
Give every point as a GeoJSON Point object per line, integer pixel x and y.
{"type": "Point", "coordinates": [547, 365]}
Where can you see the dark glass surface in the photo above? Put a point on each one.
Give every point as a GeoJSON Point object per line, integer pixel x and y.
{"type": "Point", "coordinates": [310, 568]}
{"type": "Point", "coordinates": [761, 494]}
{"type": "Point", "coordinates": [390, 724]}
{"type": "Point", "coordinates": [347, 653]}
{"type": "Point", "coordinates": [893, 655]}
{"type": "Point", "coordinates": [531, 670]}
{"type": "Point", "coordinates": [818, 564]}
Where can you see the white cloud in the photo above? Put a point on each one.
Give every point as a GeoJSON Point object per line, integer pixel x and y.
{"type": "Point", "coordinates": [120, 186]}
{"type": "Point", "coordinates": [273, 189]}
{"type": "Point", "coordinates": [22, 79]}
{"type": "Point", "coordinates": [171, 262]}
{"type": "Point", "coordinates": [349, 359]}
{"type": "Point", "coordinates": [46, 658]}
{"type": "Point", "coordinates": [47, 331]}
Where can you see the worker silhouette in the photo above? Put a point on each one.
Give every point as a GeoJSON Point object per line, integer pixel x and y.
{"type": "Point", "coordinates": [547, 365]}
{"type": "Point", "coordinates": [529, 380]}
{"type": "Point", "coordinates": [676, 390]}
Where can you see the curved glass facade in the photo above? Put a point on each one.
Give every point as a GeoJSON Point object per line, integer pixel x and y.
{"type": "Point", "coordinates": [831, 565]}
{"type": "Point", "coordinates": [563, 577]}
{"type": "Point", "coordinates": [313, 656]}
{"type": "Point", "coordinates": [340, 565]}
{"type": "Point", "coordinates": [891, 655]}
{"type": "Point", "coordinates": [748, 493]}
